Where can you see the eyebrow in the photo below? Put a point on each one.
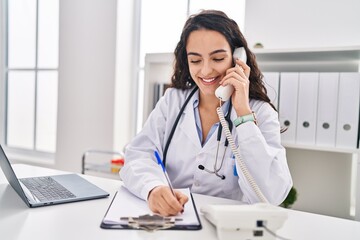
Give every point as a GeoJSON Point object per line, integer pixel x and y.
{"type": "Point", "coordinates": [213, 52]}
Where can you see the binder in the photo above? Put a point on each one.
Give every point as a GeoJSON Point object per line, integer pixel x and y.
{"type": "Point", "coordinates": [307, 108]}
{"type": "Point", "coordinates": [127, 211]}
{"type": "Point", "coordinates": [348, 111]}
{"type": "Point", "coordinates": [271, 80]}
{"type": "Point", "coordinates": [288, 100]}
{"type": "Point", "coordinates": [327, 109]}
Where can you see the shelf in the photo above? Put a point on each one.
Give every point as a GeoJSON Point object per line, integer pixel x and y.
{"type": "Point", "coordinates": [319, 148]}
{"type": "Point", "coordinates": [105, 168]}
{"type": "Point", "coordinates": [155, 58]}
{"type": "Point", "coordinates": [346, 59]}
{"type": "Point", "coordinates": [99, 163]}
{"type": "Point", "coordinates": [100, 170]}
{"type": "Point", "coordinates": [308, 54]}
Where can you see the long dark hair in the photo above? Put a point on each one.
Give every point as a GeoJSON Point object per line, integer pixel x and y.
{"type": "Point", "coordinates": [220, 22]}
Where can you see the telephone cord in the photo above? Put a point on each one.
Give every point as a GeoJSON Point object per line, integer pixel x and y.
{"type": "Point", "coordinates": [238, 158]}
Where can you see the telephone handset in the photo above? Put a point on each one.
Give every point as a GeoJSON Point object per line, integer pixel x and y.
{"type": "Point", "coordinates": [224, 93]}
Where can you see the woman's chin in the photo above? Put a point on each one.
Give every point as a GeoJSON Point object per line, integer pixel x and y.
{"type": "Point", "coordinates": [209, 91]}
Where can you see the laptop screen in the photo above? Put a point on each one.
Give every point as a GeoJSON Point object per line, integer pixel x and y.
{"type": "Point", "coordinates": [10, 174]}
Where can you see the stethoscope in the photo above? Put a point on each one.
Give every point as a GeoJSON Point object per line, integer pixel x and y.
{"type": "Point", "coordinates": [218, 138]}
{"type": "Point", "coordinates": [226, 144]}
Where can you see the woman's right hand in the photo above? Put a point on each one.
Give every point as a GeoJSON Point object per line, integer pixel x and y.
{"type": "Point", "coordinates": [162, 201]}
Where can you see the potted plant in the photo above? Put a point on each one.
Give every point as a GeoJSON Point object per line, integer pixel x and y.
{"type": "Point", "coordinates": [290, 199]}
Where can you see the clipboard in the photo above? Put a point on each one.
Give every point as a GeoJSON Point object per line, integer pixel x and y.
{"type": "Point", "coordinates": [127, 211]}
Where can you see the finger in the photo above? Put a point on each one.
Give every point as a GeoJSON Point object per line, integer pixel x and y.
{"type": "Point", "coordinates": [233, 78]}
{"type": "Point", "coordinates": [161, 207]}
{"type": "Point", "coordinates": [162, 201]}
{"type": "Point", "coordinates": [163, 212]}
{"type": "Point", "coordinates": [182, 198]}
{"type": "Point", "coordinates": [157, 202]}
{"type": "Point", "coordinates": [237, 68]}
{"type": "Point", "coordinates": [241, 64]}
{"type": "Point", "coordinates": [245, 67]}
{"type": "Point", "coordinates": [173, 205]}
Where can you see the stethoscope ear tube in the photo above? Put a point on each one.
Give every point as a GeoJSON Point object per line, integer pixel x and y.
{"type": "Point", "coordinates": [229, 122]}
{"type": "Point", "coordinates": [176, 123]}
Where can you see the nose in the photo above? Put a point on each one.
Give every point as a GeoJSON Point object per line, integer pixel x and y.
{"type": "Point", "coordinates": [206, 68]}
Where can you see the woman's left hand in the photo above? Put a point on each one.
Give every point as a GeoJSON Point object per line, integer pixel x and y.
{"type": "Point", "coordinates": [238, 77]}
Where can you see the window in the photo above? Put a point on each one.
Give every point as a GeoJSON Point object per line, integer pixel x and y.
{"type": "Point", "coordinates": [31, 74]}
{"type": "Point", "coordinates": [161, 25]}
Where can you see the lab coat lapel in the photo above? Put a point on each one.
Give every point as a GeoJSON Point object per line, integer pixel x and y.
{"type": "Point", "coordinates": [212, 143]}
{"type": "Point", "coordinates": [188, 125]}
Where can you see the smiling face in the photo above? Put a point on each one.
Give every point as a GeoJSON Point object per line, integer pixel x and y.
{"type": "Point", "coordinates": [209, 56]}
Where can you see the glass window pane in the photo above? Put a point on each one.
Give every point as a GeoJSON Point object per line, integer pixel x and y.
{"type": "Point", "coordinates": [21, 107]}
{"type": "Point", "coordinates": [161, 25]}
{"type": "Point", "coordinates": [48, 35]}
{"type": "Point", "coordinates": [46, 111]}
{"type": "Point", "coordinates": [235, 9]}
{"type": "Point", "coordinates": [22, 33]}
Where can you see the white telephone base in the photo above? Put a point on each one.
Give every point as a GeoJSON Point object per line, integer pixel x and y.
{"type": "Point", "coordinates": [243, 222]}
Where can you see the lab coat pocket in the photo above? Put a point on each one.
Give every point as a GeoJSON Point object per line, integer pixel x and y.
{"type": "Point", "coordinates": [230, 184]}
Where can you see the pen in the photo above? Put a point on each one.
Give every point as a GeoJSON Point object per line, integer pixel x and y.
{"type": "Point", "coordinates": [164, 171]}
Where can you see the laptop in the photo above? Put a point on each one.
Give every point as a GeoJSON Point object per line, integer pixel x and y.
{"type": "Point", "coordinates": [50, 190]}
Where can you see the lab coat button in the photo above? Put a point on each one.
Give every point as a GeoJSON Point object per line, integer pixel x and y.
{"type": "Point", "coordinates": [196, 183]}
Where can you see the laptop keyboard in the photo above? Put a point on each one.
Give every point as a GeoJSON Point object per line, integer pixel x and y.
{"type": "Point", "coordinates": [46, 189]}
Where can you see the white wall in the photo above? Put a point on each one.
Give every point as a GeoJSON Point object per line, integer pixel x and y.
{"type": "Point", "coordinates": [86, 79]}
{"type": "Point", "coordinates": [302, 24]}
{"type": "Point", "coordinates": [125, 87]}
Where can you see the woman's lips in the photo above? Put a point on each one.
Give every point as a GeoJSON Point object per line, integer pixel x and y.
{"type": "Point", "coordinates": [208, 81]}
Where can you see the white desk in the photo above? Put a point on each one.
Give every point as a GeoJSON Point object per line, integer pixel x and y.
{"type": "Point", "coordinates": [82, 220]}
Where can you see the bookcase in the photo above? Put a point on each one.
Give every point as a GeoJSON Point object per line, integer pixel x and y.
{"type": "Point", "coordinates": [327, 178]}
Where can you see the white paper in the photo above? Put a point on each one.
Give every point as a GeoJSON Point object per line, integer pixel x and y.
{"type": "Point", "coordinates": [125, 204]}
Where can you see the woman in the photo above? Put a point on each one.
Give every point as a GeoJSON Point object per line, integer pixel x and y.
{"type": "Point", "coordinates": [194, 159]}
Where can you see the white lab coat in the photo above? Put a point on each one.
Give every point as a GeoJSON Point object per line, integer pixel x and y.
{"type": "Point", "coordinates": [259, 145]}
